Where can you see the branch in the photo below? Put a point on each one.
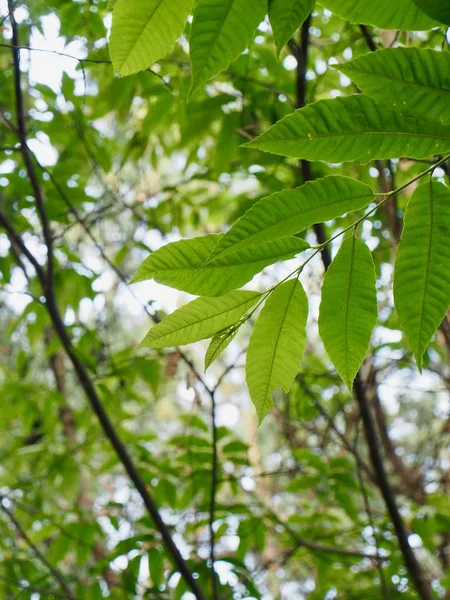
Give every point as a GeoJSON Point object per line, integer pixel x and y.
{"type": "Point", "coordinates": [412, 564]}
{"type": "Point", "coordinates": [301, 53]}
{"type": "Point", "coordinates": [58, 323]}
{"type": "Point", "coordinates": [56, 574]}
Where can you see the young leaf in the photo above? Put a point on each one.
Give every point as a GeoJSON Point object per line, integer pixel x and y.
{"type": "Point", "coordinates": [179, 264]}
{"type": "Point", "coordinates": [410, 80]}
{"type": "Point", "coordinates": [221, 30]}
{"type": "Point", "coordinates": [144, 31]}
{"type": "Point", "coordinates": [218, 344]}
{"type": "Point", "coordinates": [401, 14]}
{"type": "Point", "coordinates": [292, 211]}
{"type": "Point", "coordinates": [422, 268]}
{"type": "Point", "coordinates": [277, 344]}
{"type": "Point", "coordinates": [348, 310]}
{"type": "Point", "coordinates": [286, 16]}
{"type": "Point", "coordinates": [436, 9]}
{"type": "Point", "coordinates": [200, 319]}
{"type": "Point", "coordinates": [354, 128]}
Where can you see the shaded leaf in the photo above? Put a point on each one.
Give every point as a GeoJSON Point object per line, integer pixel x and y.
{"type": "Point", "coordinates": [277, 344]}
{"type": "Point", "coordinates": [435, 9]}
{"type": "Point", "coordinates": [292, 211]}
{"type": "Point", "coordinates": [354, 128]}
{"type": "Point", "coordinates": [179, 264]}
{"type": "Point", "coordinates": [401, 14]}
{"type": "Point", "coordinates": [200, 319]}
{"type": "Point", "coordinates": [348, 310]}
{"type": "Point", "coordinates": [144, 31]}
{"type": "Point", "coordinates": [407, 79]}
{"type": "Point", "coordinates": [422, 268]}
{"type": "Point", "coordinates": [221, 30]}
{"type": "Point", "coordinates": [218, 344]}
{"type": "Point", "coordinates": [286, 16]}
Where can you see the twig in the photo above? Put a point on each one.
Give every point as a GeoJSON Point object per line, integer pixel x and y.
{"type": "Point", "coordinates": [56, 574]}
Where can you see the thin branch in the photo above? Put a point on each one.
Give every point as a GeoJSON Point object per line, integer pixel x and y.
{"type": "Point", "coordinates": [212, 507]}
{"type": "Point", "coordinates": [56, 574]}
{"type": "Point", "coordinates": [78, 365]}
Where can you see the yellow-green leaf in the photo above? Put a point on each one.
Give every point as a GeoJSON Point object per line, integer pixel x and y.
{"type": "Point", "coordinates": [348, 310]}
{"type": "Point", "coordinates": [144, 31]}
{"type": "Point", "coordinates": [221, 31]}
{"type": "Point", "coordinates": [422, 268]}
{"type": "Point", "coordinates": [200, 319]}
{"type": "Point", "coordinates": [277, 344]}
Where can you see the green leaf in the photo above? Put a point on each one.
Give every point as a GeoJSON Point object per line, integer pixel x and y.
{"type": "Point", "coordinates": [348, 310]}
{"type": "Point", "coordinates": [200, 319]}
{"type": "Point", "coordinates": [179, 264]}
{"type": "Point", "coordinates": [144, 31]}
{"type": "Point", "coordinates": [400, 14]}
{"type": "Point", "coordinates": [292, 211]}
{"type": "Point", "coordinates": [277, 344]}
{"type": "Point", "coordinates": [354, 128]}
{"type": "Point", "coordinates": [156, 566]}
{"type": "Point", "coordinates": [221, 31]}
{"type": "Point", "coordinates": [436, 9]}
{"type": "Point", "coordinates": [422, 268]}
{"type": "Point", "coordinates": [111, 4]}
{"type": "Point", "coordinates": [218, 344]}
{"type": "Point", "coordinates": [407, 79]}
{"type": "Point", "coordinates": [286, 16]}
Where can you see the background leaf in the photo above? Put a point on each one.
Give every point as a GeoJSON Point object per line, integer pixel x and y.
{"type": "Point", "coordinates": [410, 80]}
{"type": "Point", "coordinates": [143, 31]}
{"type": "Point", "coordinates": [354, 128]}
{"type": "Point", "coordinates": [292, 211]}
{"type": "Point", "coordinates": [348, 310]}
{"type": "Point", "coordinates": [421, 279]}
{"type": "Point", "coordinates": [286, 16]}
{"type": "Point", "coordinates": [179, 264]}
{"type": "Point", "coordinates": [401, 14]}
{"type": "Point", "coordinates": [200, 319]}
{"type": "Point", "coordinates": [221, 30]}
{"type": "Point", "coordinates": [277, 344]}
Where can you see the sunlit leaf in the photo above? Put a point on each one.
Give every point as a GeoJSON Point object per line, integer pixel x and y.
{"type": "Point", "coordinates": [348, 310]}
{"type": "Point", "coordinates": [422, 268]}
{"type": "Point", "coordinates": [218, 344]}
{"type": "Point", "coordinates": [144, 31]}
{"type": "Point", "coordinates": [179, 264]}
{"type": "Point", "coordinates": [292, 211]}
{"type": "Point", "coordinates": [286, 16]}
{"type": "Point", "coordinates": [277, 344]}
{"type": "Point", "coordinates": [221, 30]}
{"type": "Point", "coordinates": [200, 319]}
